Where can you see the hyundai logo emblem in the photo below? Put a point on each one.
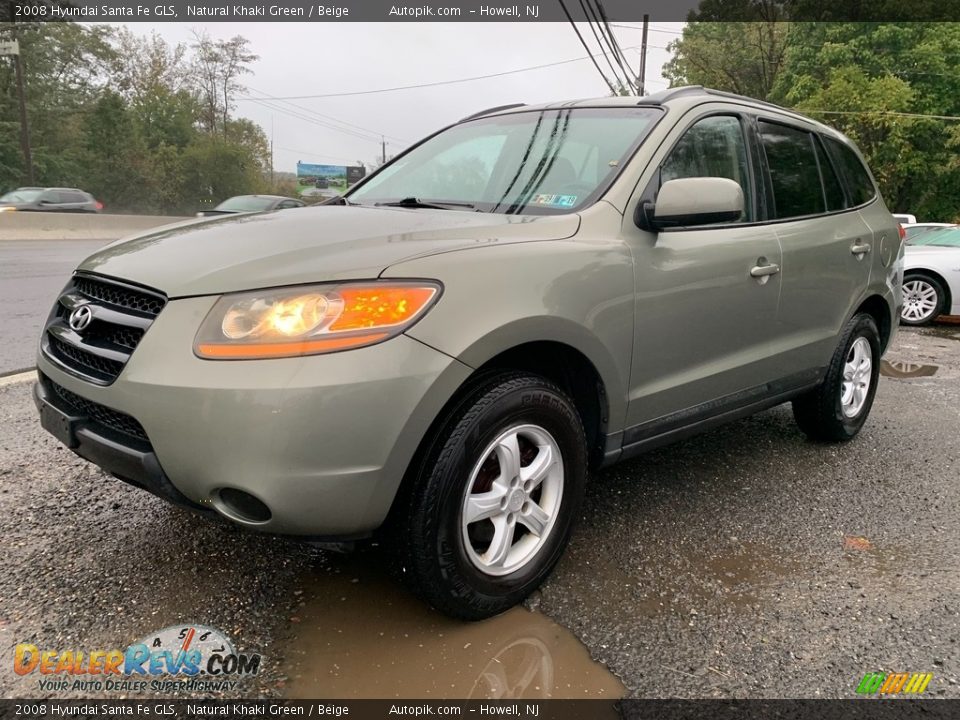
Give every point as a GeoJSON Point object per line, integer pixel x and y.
{"type": "Point", "coordinates": [80, 318]}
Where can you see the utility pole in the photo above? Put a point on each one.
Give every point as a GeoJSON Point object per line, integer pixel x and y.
{"type": "Point", "coordinates": [383, 151]}
{"type": "Point", "coordinates": [24, 126]}
{"type": "Point", "coordinates": [643, 55]}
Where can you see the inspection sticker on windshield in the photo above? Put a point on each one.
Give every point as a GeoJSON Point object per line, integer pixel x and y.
{"type": "Point", "coordinates": [554, 200]}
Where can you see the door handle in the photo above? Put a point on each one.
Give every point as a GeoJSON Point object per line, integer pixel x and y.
{"type": "Point", "coordinates": [760, 271]}
{"type": "Point", "coordinates": [860, 248]}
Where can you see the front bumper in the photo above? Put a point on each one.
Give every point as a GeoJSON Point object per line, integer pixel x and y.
{"type": "Point", "coordinates": [121, 456]}
{"type": "Point", "coordinates": [322, 441]}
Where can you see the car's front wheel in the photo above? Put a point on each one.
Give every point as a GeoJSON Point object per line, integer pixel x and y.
{"type": "Point", "coordinates": [922, 300]}
{"type": "Point", "coordinates": [490, 507]}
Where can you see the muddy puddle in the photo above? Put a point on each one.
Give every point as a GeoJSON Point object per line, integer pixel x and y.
{"type": "Point", "coordinates": [907, 369]}
{"type": "Point", "coordinates": [357, 634]}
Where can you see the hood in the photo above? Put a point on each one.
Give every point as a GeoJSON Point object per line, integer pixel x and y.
{"type": "Point", "coordinates": [242, 252]}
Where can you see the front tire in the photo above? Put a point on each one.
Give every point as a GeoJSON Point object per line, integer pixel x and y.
{"type": "Point", "coordinates": [923, 298]}
{"type": "Point", "coordinates": [491, 506]}
{"type": "Point", "coordinates": [837, 408]}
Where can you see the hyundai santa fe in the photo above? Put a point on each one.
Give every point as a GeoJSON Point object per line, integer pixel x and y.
{"type": "Point", "coordinates": [442, 356]}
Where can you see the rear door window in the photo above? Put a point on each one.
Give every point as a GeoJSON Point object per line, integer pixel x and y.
{"type": "Point", "coordinates": [794, 171]}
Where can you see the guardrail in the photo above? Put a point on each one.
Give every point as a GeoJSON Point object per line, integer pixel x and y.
{"type": "Point", "coordinates": [75, 226]}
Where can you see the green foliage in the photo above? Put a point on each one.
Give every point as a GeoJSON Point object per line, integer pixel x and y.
{"type": "Point", "coordinates": [739, 57]}
{"type": "Point", "coordinates": [130, 119]}
{"type": "Point", "coordinates": [870, 81]}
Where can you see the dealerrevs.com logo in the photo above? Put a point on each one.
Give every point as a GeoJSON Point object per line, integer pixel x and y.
{"type": "Point", "coordinates": [178, 658]}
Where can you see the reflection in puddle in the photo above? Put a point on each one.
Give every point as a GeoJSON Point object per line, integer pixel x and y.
{"type": "Point", "coordinates": [906, 369]}
{"type": "Point", "coordinates": [359, 635]}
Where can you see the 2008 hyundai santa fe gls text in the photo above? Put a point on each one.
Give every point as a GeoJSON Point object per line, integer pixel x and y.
{"type": "Point", "coordinates": [445, 353]}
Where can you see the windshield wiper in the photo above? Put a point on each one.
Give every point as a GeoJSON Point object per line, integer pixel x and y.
{"type": "Point", "coordinates": [412, 202]}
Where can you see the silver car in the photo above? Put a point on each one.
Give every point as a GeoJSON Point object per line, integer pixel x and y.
{"type": "Point", "coordinates": [54, 199]}
{"type": "Point", "coordinates": [444, 355]}
{"type": "Point", "coordinates": [931, 278]}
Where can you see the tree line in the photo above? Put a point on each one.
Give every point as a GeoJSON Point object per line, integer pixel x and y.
{"type": "Point", "coordinates": [144, 125]}
{"type": "Point", "coordinates": [892, 87]}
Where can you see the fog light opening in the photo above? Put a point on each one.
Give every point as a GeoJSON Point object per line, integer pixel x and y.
{"type": "Point", "coordinates": [242, 506]}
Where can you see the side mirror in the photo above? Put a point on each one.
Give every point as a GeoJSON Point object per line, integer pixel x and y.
{"type": "Point", "coordinates": [692, 201]}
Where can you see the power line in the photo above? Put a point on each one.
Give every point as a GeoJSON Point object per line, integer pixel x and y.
{"type": "Point", "coordinates": [588, 13]}
{"type": "Point", "coordinates": [619, 55]}
{"type": "Point", "coordinates": [351, 126]}
{"type": "Point", "coordinates": [587, 47]}
{"type": "Point", "coordinates": [435, 84]}
{"type": "Point", "coordinates": [882, 112]}
{"type": "Point", "coordinates": [315, 155]}
{"type": "Point", "coordinates": [652, 29]}
{"type": "Point", "coordinates": [307, 118]}
{"type": "Point", "coordinates": [612, 39]}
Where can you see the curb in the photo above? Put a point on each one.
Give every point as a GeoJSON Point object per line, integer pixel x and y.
{"type": "Point", "coordinates": [18, 378]}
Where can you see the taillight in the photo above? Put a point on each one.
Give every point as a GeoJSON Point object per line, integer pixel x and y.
{"type": "Point", "coordinates": [902, 230]}
{"type": "Point", "coordinates": [100, 207]}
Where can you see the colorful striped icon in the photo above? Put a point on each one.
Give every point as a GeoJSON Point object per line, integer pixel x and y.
{"type": "Point", "coordinates": [894, 683]}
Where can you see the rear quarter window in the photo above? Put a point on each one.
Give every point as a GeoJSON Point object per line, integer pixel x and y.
{"type": "Point", "coordinates": [857, 177]}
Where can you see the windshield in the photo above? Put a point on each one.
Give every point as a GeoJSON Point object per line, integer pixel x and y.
{"type": "Point", "coordinates": [546, 162]}
{"type": "Point", "coordinates": [245, 203]}
{"type": "Point", "coordinates": [942, 237]}
{"type": "Point", "coordinates": [21, 196]}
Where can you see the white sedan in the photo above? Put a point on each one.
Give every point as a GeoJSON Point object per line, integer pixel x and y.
{"type": "Point", "coordinates": [931, 276]}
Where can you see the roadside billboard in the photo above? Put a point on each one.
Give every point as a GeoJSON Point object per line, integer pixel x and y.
{"type": "Point", "coordinates": [314, 179]}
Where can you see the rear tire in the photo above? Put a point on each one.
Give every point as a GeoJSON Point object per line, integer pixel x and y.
{"type": "Point", "coordinates": [489, 510]}
{"type": "Point", "coordinates": [839, 406]}
{"type": "Point", "coordinates": [923, 299]}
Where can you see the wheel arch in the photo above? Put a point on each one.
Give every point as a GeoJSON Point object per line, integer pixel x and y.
{"type": "Point", "coordinates": [562, 363]}
{"type": "Point", "coordinates": [879, 309]}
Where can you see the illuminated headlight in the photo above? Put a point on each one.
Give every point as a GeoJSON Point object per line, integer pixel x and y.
{"type": "Point", "coordinates": [287, 322]}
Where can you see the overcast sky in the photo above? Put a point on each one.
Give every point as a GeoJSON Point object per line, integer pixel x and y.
{"type": "Point", "coordinates": [312, 58]}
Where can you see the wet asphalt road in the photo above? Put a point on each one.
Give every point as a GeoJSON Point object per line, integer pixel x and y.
{"type": "Point", "coordinates": [32, 272]}
{"type": "Point", "coordinates": [747, 562]}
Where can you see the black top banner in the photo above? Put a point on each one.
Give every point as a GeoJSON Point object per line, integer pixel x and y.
{"type": "Point", "coordinates": [475, 10]}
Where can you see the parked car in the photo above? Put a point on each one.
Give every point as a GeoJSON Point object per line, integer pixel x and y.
{"type": "Point", "coordinates": [931, 277]}
{"type": "Point", "coordinates": [322, 183]}
{"type": "Point", "coordinates": [443, 356]}
{"type": "Point", "coordinates": [252, 203]}
{"type": "Point", "coordinates": [913, 230]}
{"type": "Point", "coordinates": [36, 199]}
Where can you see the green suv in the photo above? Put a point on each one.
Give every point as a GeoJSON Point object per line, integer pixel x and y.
{"type": "Point", "coordinates": [446, 353]}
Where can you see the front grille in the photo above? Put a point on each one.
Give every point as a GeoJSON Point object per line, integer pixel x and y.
{"type": "Point", "coordinates": [113, 419]}
{"type": "Point", "coordinates": [121, 314]}
{"type": "Point", "coordinates": [119, 295]}
{"type": "Point", "coordinates": [83, 359]}
{"type": "Point", "coordinates": [116, 334]}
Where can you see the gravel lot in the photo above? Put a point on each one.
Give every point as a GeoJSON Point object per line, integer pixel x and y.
{"type": "Point", "coordinates": [747, 562]}
{"type": "Point", "coordinates": [750, 562]}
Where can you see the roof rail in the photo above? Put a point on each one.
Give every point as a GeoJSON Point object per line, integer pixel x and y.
{"type": "Point", "coordinates": [670, 93]}
{"type": "Point", "coordinates": [490, 111]}
{"type": "Point", "coordinates": [734, 96]}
